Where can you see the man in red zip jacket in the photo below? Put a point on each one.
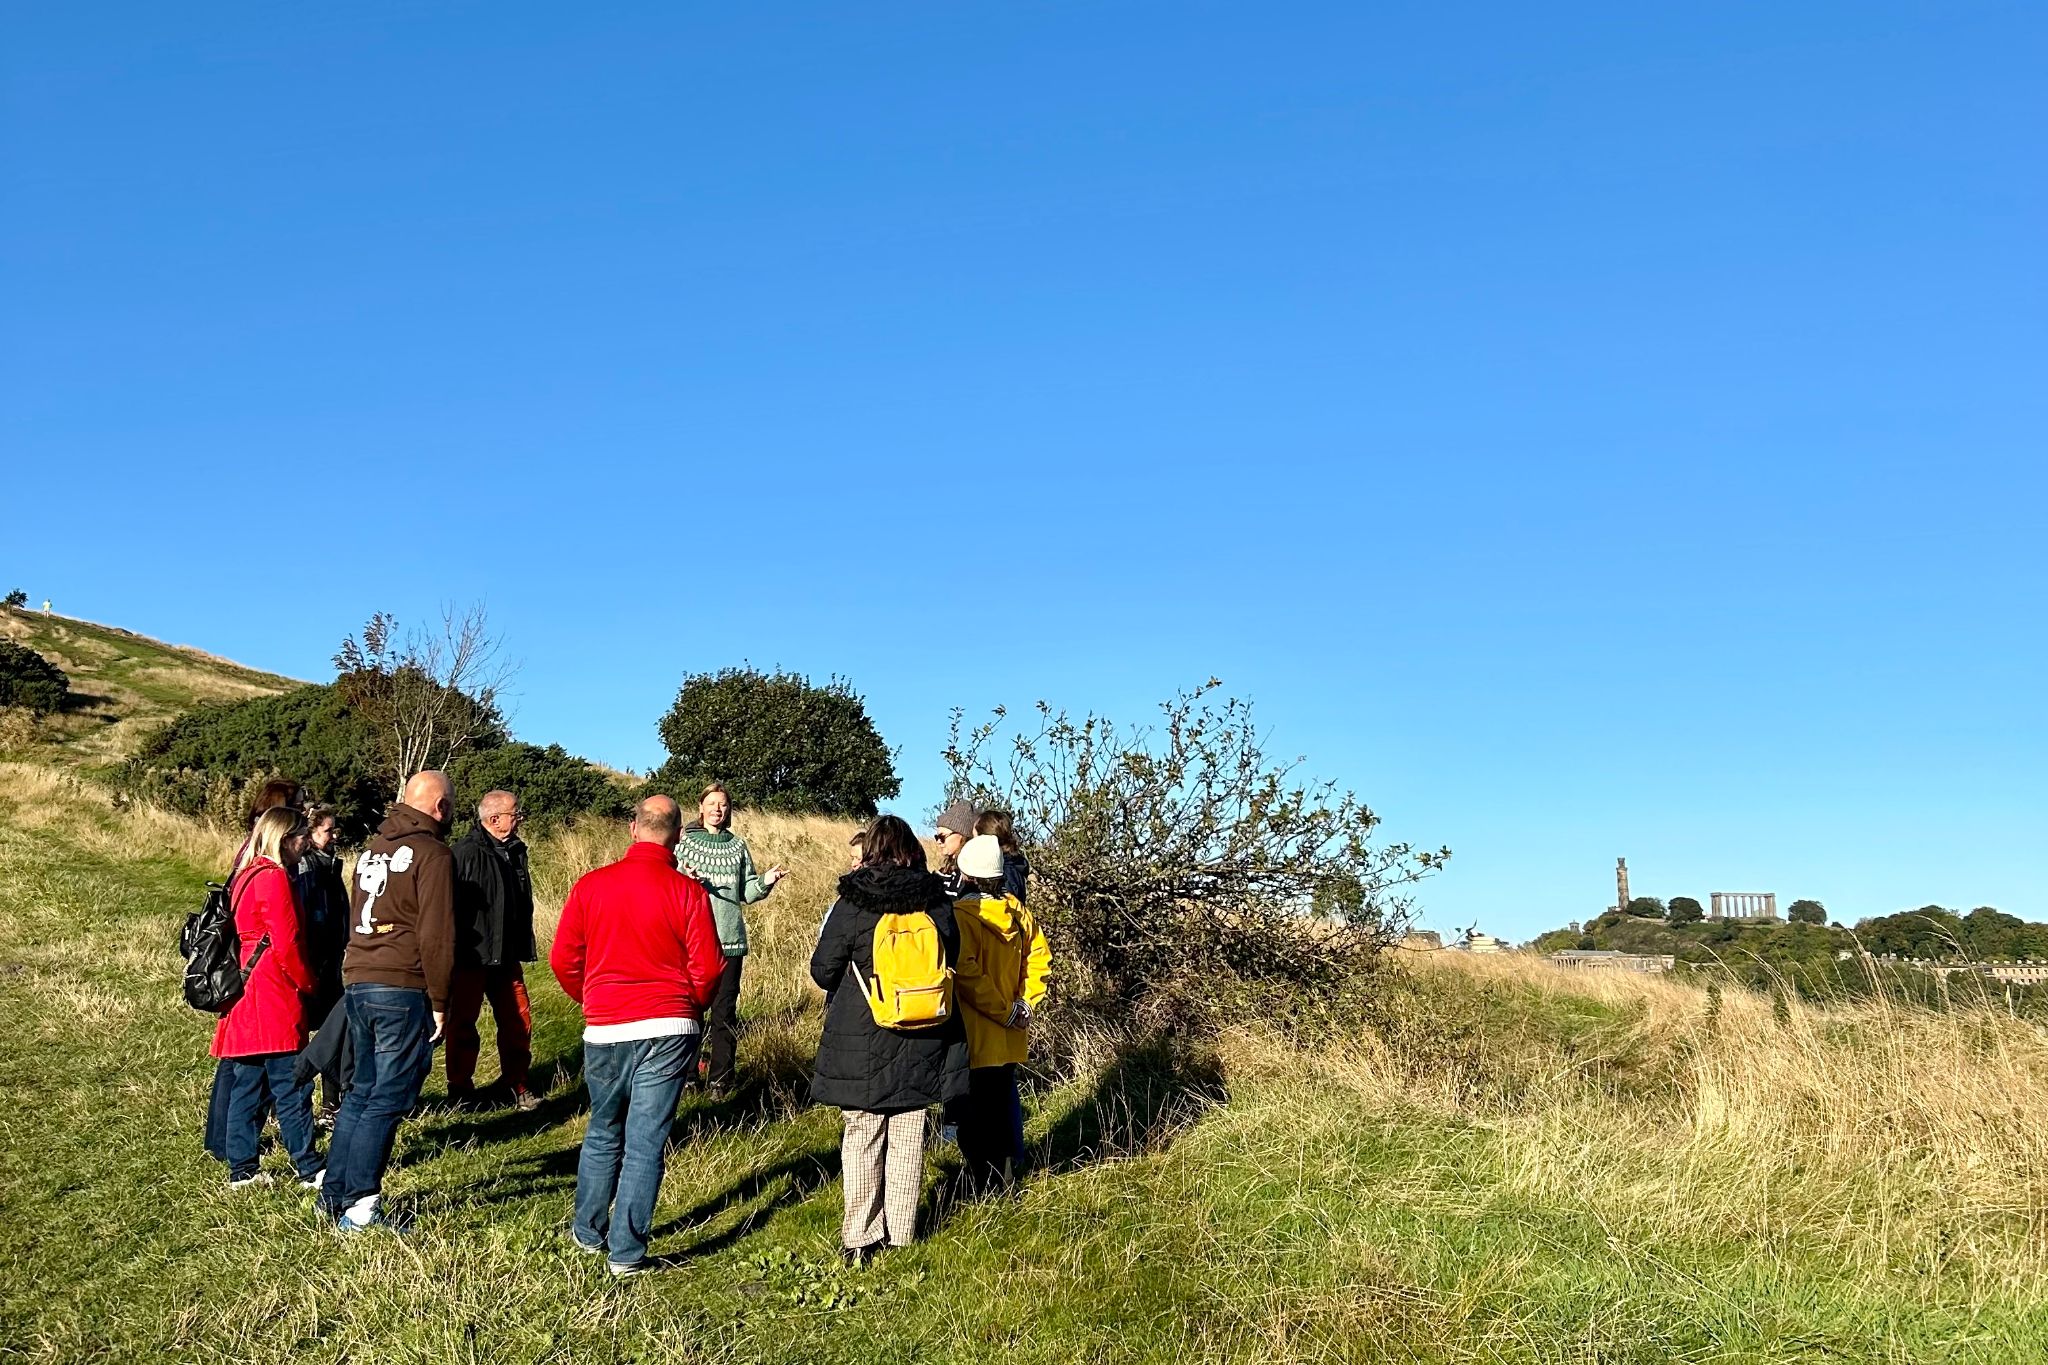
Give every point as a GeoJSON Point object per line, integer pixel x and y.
{"type": "Point", "coordinates": [637, 949]}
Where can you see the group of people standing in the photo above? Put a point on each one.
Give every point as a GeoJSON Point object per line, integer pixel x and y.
{"type": "Point", "coordinates": [379, 970]}
{"type": "Point", "coordinates": [883, 1079]}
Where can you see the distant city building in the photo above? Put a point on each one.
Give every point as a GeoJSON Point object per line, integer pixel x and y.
{"type": "Point", "coordinates": [1421, 941]}
{"type": "Point", "coordinates": [1744, 905]}
{"type": "Point", "coordinates": [1611, 960]}
{"type": "Point", "coordinates": [1475, 942]}
{"type": "Point", "coordinates": [2026, 973]}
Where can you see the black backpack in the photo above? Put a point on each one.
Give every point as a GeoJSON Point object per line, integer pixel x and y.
{"type": "Point", "coordinates": [215, 975]}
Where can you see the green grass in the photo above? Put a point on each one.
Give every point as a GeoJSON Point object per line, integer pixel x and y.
{"type": "Point", "coordinates": [1302, 1220]}
{"type": "Point", "coordinates": [123, 684]}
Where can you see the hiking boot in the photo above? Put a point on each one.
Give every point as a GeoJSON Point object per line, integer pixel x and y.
{"type": "Point", "coordinates": [525, 1101]}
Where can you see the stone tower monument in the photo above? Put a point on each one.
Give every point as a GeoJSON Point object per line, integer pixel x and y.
{"type": "Point", "coordinates": [1621, 885]}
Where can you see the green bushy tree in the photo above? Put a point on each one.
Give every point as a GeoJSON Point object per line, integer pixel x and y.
{"type": "Point", "coordinates": [1807, 912]}
{"type": "Point", "coordinates": [777, 742]}
{"type": "Point", "coordinates": [1685, 910]}
{"type": "Point", "coordinates": [1646, 907]}
{"type": "Point", "coordinates": [29, 680]}
{"type": "Point", "coordinates": [17, 599]}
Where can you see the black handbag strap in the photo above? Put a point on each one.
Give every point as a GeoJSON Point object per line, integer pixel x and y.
{"type": "Point", "coordinates": [234, 903]}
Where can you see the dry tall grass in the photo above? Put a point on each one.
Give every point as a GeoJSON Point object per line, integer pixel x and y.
{"type": "Point", "coordinates": [1893, 1140]}
{"type": "Point", "coordinates": [1899, 1139]}
{"type": "Point", "coordinates": [85, 814]}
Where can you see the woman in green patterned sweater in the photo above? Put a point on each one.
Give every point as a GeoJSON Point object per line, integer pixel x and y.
{"type": "Point", "coordinates": [715, 856]}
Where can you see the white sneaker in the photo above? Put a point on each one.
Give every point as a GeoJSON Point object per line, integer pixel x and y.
{"type": "Point", "coordinates": [252, 1181]}
{"type": "Point", "coordinates": [318, 1180]}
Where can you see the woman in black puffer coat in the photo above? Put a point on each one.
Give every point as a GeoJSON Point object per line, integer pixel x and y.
{"type": "Point", "coordinates": [882, 1079]}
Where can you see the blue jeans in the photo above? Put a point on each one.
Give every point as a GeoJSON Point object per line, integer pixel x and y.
{"type": "Point", "coordinates": [254, 1085]}
{"type": "Point", "coordinates": [633, 1092]}
{"type": "Point", "coordinates": [390, 1028]}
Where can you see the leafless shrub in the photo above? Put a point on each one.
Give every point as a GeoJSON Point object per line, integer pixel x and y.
{"type": "Point", "coordinates": [429, 696]}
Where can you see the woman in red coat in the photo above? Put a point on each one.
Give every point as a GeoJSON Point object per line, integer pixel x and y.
{"type": "Point", "coordinates": [257, 1039]}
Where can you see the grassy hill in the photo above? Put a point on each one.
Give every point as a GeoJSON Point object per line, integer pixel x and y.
{"type": "Point", "coordinates": [123, 684]}
{"type": "Point", "coordinates": [1509, 1163]}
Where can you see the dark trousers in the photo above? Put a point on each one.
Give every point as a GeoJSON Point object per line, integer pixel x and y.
{"type": "Point", "coordinates": [323, 1000]}
{"type": "Point", "coordinates": [505, 988]}
{"type": "Point", "coordinates": [983, 1116]}
{"type": "Point", "coordinates": [722, 1023]}
{"type": "Point", "coordinates": [217, 1109]}
{"type": "Point", "coordinates": [255, 1085]}
{"type": "Point", "coordinates": [391, 1031]}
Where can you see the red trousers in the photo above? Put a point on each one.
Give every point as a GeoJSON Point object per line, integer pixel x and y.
{"type": "Point", "coordinates": [505, 988]}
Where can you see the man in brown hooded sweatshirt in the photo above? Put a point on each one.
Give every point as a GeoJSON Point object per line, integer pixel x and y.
{"type": "Point", "coordinates": [401, 951]}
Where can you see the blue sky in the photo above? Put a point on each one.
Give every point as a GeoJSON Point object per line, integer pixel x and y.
{"type": "Point", "coordinates": [1586, 431]}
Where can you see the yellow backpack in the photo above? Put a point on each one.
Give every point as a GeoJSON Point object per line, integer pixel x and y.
{"type": "Point", "coordinates": [912, 987]}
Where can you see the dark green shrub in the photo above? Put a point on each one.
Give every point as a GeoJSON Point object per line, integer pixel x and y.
{"type": "Point", "coordinates": [28, 679]}
{"type": "Point", "coordinates": [777, 743]}
{"type": "Point", "coordinates": [551, 783]}
{"type": "Point", "coordinates": [201, 762]}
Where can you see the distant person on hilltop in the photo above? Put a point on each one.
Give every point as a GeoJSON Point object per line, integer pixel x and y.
{"type": "Point", "coordinates": [257, 1039]}
{"type": "Point", "coordinates": [401, 954]}
{"type": "Point", "coordinates": [637, 949]}
{"type": "Point", "coordinates": [494, 935]}
{"type": "Point", "coordinates": [882, 1078]}
{"type": "Point", "coordinates": [323, 916]}
{"type": "Point", "coordinates": [721, 861]}
{"type": "Point", "coordinates": [1004, 961]}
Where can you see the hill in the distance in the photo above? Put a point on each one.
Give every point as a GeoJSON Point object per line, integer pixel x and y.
{"type": "Point", "coordinates": [124, 684]}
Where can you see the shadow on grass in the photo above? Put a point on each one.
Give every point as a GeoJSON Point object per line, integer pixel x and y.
{"type": "Point", "coordinates": [758, 1196]}
{"type": "Point", "coordinates": [1151, 1092]}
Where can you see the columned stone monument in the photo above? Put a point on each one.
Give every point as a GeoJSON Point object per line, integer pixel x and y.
{"type": "Point", "coordinates": [1744, 905]}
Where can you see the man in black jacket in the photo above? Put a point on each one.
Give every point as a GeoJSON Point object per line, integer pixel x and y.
{"type": "Point", "coordinates": [494, 935]}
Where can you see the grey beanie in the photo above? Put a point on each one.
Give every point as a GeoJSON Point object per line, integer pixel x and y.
{"type": "Point", "coordinates": [959, 817]}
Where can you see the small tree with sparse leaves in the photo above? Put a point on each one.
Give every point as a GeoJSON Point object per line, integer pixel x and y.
{"type": "Point", "coordinates": [1171, 861]}
{"type": "Point", "coordinates": [428, 697]}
